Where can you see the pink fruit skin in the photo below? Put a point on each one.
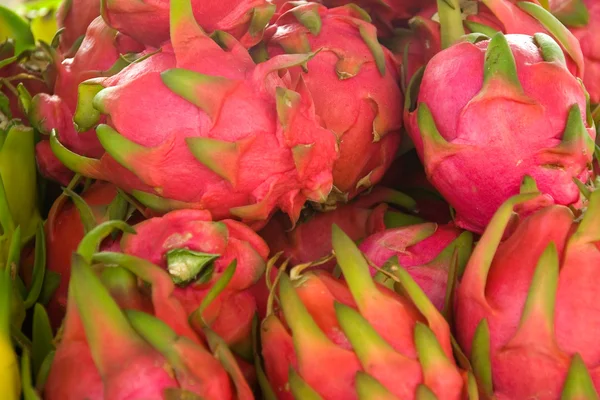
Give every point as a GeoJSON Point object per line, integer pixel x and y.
{"type": "Point", "coordinates": [49, 166]}
{"type": "Point", "coordinates": [148, 22]}
{"type": "Point", "coordinates": [433, 278]}
{"type": "Point", "coordinates": [505, 16]}
{"type": "Point", "coordinates": [73, 375]}
{"type": "Point", "coordinates": [75, 17]}
{"type": "Point", "coordinates": [69, 379]}
{"type": "Point", "coordinates": [194, 230]}
{"type": "Point", "coordinates": [64, 231]}
{"type": "Point", "coordinates": [318, 292]}
{"type": "Point", "coordinates": [264, 174]}
{"type": "Point", "coordinates": [533, 361]}
{"type": "Point", "coordinates": [310, 240]}
{"type": "Point", "coordinates": [469, 173]}
{"type": "Point", "coordinates": [359, 108]}
{"type": "Point", "coordinates": [141, 368]}
{"type": "Point", "coordinates": [99, 51]}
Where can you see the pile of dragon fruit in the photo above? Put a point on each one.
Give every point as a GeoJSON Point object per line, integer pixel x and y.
{"type": "Point", "coordinates": [265, 199]}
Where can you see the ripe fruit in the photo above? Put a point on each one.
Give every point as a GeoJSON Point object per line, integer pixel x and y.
{"type": "Point", "coordinates": [473, 154]}
{"type": "Point", "coordinates": [526, 308]}
{"type": "Point", "coordinates": [375, 340]}
{"type": "Point", "coordinates": [233, 137]}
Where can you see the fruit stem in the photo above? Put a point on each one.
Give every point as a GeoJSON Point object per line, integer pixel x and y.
{"type": "Point", "coordinates": [450, 21]}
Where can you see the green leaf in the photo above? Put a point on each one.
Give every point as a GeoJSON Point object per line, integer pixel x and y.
{"type": "Point", "coordinates": [42, 376]}
{"type": "Point", "coordinates": [5, 110]}
{"type": "Point", "coordinates": [216, 290]}
{"type": "Point", "coordinates": [38, 5]}
{"type": "Point", "coordinates": [88, 219]}
{"type": "Point", "coordinates": [39, 268]}
{"type": "Point", "coordinates": [51, 283]}
{"type": "Point", "coordinates": [29, 392]}
{"type": "Point", "coordinates": [42, 338]}
{"type": "Point", "coordinates": [5, 301]}
{"type": "Point", "coordinates": [43, 22]}
{"type": "Point", "coordinates": [12, 26]}
{"type": "Point", "coordinates": [6, 222]}
{"type": "Point", "coordinates": [186, 266]}
{"type": "Point", "coordinates": [118, 208]}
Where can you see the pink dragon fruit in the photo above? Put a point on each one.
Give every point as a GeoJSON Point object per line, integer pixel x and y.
{"type": "Point", "coordinates": [377, 343]}
{"type": "Point", "coordinates": [189, 244]}
{"type": "Point", "coordinates": [473, 154]}
{"type": "Point", "coordinates": [100, 354]}
{"type": "Point", "coordinates": [149, 352]}
{"type": "Point", "coordinates": [64, 230]}
{"type": "Point", "coordinates": [416, 46]}
{"type": "Point", "coordinates": [310, 240]}
{"type": "Point", "coordinates": [581, 16]}
{"type": "Point", "coordinates": [148, 22]}
{"type": "Point", "coordinates": [196, 251]}
{"type": "Point", "coordinates": [99, 55]}
{"type": "Point", "coordinates": [197, 370]}
{"type": "Point", "coordinates": [426, 251]}
{"type": "Point", "coordinates": [233, 138]}
{"type": "Point", "coordinates": [353, 83]}
{"type": "Point", "coordinates": [198, 328]}
{"type": "Point", "coordinates": [526, 308]}
{"type": "Point", "coordinates": [74, 16]}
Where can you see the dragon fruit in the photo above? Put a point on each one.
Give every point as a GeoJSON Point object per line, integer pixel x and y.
{"type": "Point", "coordinates": [580, 17]}
{"type": "Point", "coordinates": [416, 46]}
{"type": "Point", "coordinates": [375, 340]}
{"type": "Point", "coordinates": [99, 55]}
{"type": "Point", "coordinates": [75, 17]}
{"type": "Point", "coordinates": [196, 369]}
{"type": "Point", "coordinates": [353, 83]}
{"type": "Point", "coordinates": [148, 22]}
{"type": "Point", "coordinates": [65, 229]}
{"type": "Point", "coordinates": [99, 352]}
{"type": "Point", "coordinates": [187, 243]}
{"type": "Point", "coordinates": [525, 308]}
{"type": "Point", "coordinates": [426, 251]}
{"type": "Point", "coordinates": [196, 251]}
{"type": "Point", "coordinates": [196, 157]}
{"type": "Point", "coordinates": [150, 337]}
{"type": "Point", "coordinates": [310, 240]}
{"type": "Point", "coordinates": [218, 310]}
{"type": "Point", "coordinates": [457, 122]}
